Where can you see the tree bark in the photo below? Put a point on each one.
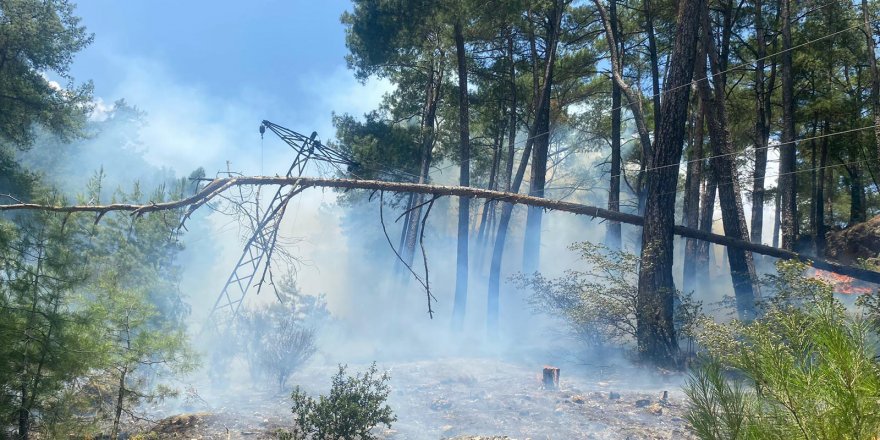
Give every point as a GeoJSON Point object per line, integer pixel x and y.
{"type": "Point", "coordinates": [655, 332]}
{"type": "Point", "coordinates": [787, 150]}
{"type": "Point", "coordinates": [432, 97]}
{"type": "Point", "coordinates": [633, 99]}
{"type": "Point", "coordinates": [691, 208]}
{"type": "Point", "coordinates": [24, 423]}
{"type": "Point", "coordinates": [857, 212]}
{"type": "Point", "coordinates": [494, 288]}
{"type": "Point", "coordinates": [635, 104]}
{"type": "Point", "coordinates": [461, 272]}
{"type": "Point", "coordinates": [652, 55]}
{"type": "Point", "coordinates": [821, 229]}
{"type": "Point", "coordinates": [532, 242]}
{"type": "Point", "coordinates": [613, 234]}
{"type": "Point", "coordinates": [117, 412]}
{"type": "Point", "coordinates": [707, 213]}
{"type": "Point", "coordinates": [511, 125]}
{"type": "Point", "coordinates": [814, 186]}
{"type": "Point", "coordinates": [762, 130]}
{"type": "Point", "coordinates": [777, 223]}
{"type": "Point", "coordinates": [208, 193]}
{"type": "Point", "coordinates": [875, 75]}
{"type": "Point", "coordinates": [742, 268]}
{"type": "Point", "coordinates": [488, 206]}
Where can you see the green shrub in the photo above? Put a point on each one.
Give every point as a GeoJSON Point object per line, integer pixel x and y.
{"type": "Point", "coordinates": [598, 304]}
{"type": "Point", "coordinates": [355, 405]}
{"type": "Point", "coordinates": [804, 369]}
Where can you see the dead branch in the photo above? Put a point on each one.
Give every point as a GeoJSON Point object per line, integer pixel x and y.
{"type": "Point", "coordinates": [211, 190]}
{"type": "Point", "coordinates": [391, 245]}
{"type": "Point", "coordinates": [425, 256]}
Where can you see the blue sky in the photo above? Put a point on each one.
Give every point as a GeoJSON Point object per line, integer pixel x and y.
{"type": "Point", "coordinates": [206, 73]}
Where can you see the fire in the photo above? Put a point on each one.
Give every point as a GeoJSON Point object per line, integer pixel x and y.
{"type": "Point", "coordinates": [843, 284]}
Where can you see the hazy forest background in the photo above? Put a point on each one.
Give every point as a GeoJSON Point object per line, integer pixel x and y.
{"type": "Point", "coordinates": [757, 120]}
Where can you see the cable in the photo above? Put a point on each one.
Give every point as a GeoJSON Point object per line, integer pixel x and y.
{"type": "Point", "coordinates": [728, 70]}
{"type": "Point", "coordinates": [778, 175]}
{"type": "Point", "coordinates": [524, 140]}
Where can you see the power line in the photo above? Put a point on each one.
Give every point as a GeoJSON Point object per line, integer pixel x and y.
{"type": "Point", "coordinates": [526, 139]}
{"type": "Point", "coordinates": [778, 175]}
{"type": "Point", "coordinates": [731, 69]}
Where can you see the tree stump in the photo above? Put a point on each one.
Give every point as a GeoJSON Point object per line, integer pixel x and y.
{"type": "Point", "coordinates": [551, 378]}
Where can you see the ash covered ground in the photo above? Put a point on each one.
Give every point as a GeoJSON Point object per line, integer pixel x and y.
{"type": "Point", "coordinates": [461, 398]}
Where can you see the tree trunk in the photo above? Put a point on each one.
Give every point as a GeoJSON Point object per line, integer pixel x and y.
{"type": "Point", "coordinates": [742, 268]}
{"type": "Point", "coordinates": [493, 303]}
{"type": "Point", "coordinates": [511, 125]}
{"type": "Point", "coordinates": [787, 150]}
{"type": "Point", "coordinates": [875, 75]}
{"type": "Point", "coordinates": [655, 332]}
{"type": "Point", "coordinates": [857, 212]}
{"type": "Point", "coordinates": [532, 242]}
{"type": "Point", "coordinates": [831, 192]}
{"type": "Point", "coordinates": [707, 213]}
{"type": "Point", "coordinates": [432, 96]}
{"type": "Point", "coordinates": [821, 229]}
{"type": "Point", "coordinates": [761, 128]}
{"type": "Point", "coordinates": [24, 423]}
{"type": "Point", "coordinates": [777, 223]}
{"type": "Point", "coordinates": [652, 55]}
{"type": "Point", "coordinates": [487, 216]}
{"type": "Point", "coordinates": [120, 398]}
{"type": "Point", "coordinates": [691, 209]}
{"type": "Point", "coordinates": [814, 174]}
{"type": "Point", "coordinates": [208, 193]}
{"type": "Point", "coordinates": [633, 98]}
{"type": "Point", "coordinates": [613, 234]}
{"type": "Point", "coordinates": [464, 179]}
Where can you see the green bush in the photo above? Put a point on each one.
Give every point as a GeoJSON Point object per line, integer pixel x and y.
{"type": "Point", "coordinates": [598, 304]}
{"type": "Point", "coordinates": [805, 368]}
{"type": "Point", "coordinates": [355, 405]}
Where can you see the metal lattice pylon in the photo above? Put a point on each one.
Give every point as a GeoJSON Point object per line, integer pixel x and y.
{"type": "Point", "coordinates": [256, 257]}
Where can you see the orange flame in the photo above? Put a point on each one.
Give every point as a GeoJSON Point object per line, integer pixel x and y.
{"type": "Point", "coordinates": [843, 284]}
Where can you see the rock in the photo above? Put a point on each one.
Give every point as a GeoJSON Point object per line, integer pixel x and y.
{"type": "Point", "coordinates": [578, 399]}
{"type": "Point", "coordinates": [641, 403]}
{"type": "Point", "coordinates": [613, 396]}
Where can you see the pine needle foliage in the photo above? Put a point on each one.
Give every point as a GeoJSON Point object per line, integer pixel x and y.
{"type": "Point", "coordinates": [806, 368]}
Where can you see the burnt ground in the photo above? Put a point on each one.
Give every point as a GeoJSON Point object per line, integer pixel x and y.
{"type": "Point", "coordinates": [462, 399]}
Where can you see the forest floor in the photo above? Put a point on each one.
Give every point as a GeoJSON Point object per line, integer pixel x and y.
{"type": "Point", "coordinates": [463, 398]}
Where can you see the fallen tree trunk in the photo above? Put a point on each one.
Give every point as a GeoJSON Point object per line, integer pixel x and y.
{"type": "Point", "coordinates": [216, 186]}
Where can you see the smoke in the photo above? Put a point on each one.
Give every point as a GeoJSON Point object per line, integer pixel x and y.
{"type": "Point", "coordinates": [378, 311]}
